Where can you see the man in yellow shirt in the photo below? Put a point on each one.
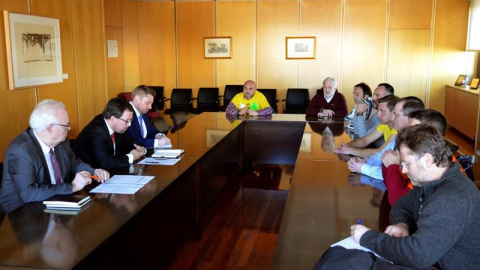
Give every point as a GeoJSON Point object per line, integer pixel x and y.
{"type": "Point", "coordinates": [249, 102]}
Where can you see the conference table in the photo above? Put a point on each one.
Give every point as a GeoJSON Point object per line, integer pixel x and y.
{"type": "Point", "coordinates": [144, 230]}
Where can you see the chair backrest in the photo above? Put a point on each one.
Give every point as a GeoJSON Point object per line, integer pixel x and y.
{"type": "Point", "coordinates": [181, 99]}
{"type": "Point", "coordinates": [208, 99]}
{"type": "Point", "coordinates": [319, 91]}
{"type": "Point", "coordinates": [159, 100]}
{"type": "Point", "coordinates": [230, 91]}
{"type": "Point", "coordinates": [297, 100]}
{"type": "Point", "coordinates": [271, 95]}
{"type": "Point", "coordinates": [179, 118]}
{"type": "Point", "coordinates": [125, 96]}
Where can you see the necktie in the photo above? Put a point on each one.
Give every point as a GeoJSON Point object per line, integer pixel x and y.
{"type": "Point", "coordinates": [56, 168]}
{"type": "Point", "coordinates": [113, 138]}
{"type": "Point", "coordinates": [140, 119]}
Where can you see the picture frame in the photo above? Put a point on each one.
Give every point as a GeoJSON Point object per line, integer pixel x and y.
{"type": "Point", "coordinates": [34, 54]}
{"type": "Point", "coordinates": [460, 79]}
{"type": "Point", "coordinates": [215, 135]}
{"type": "Point", "coordinates": [218, 47]}
{"type": "Point", "coordinates": [300, 47]}
{"type": "Point", "coordinates": [474, 83]}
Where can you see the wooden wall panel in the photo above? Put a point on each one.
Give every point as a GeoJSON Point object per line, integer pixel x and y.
{"type": "Point", "coordinates": [322, 19]}
{"type": "Point", "coordinates": [65, 91]}
{"type": "Point", "coordinates": [195, 20]}
{"type": "Point", "coordinates": [156, 39]}
{"type": "Point", "coordinates": [236, 19]}
{"type": "Point", "coordinates": [90, 58]}
{"type": "Point", "coordinates": [410, 14]}
{"type": "Point", "coordinates": [449, 56]}
{"type": "Point", "coordinates": [130, 44]}
{"type": "Point", "coordinates": [408, 62]}
{"type": "Point", "coordinates": [113, 13]}
{"type": "Point", "coordinates": [115, 65]}
{"type": "Point", "coordinates": [276, 20]}
{"type": "Point", "coordinates": [363, 55]}
{"type": "Point", "coordinates": [16, 104]}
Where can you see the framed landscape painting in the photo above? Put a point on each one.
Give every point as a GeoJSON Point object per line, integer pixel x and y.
{"type": "Point", "coordinates": [218, 47]}
{"type": "Point", "coordinates": [300, 47]}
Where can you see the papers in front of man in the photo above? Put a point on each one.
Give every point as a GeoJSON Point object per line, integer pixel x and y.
{"type": "Point", "coordinates": [123, 184]}
{"type": "Point", "coordinates": [166, 146]}
{"type": "Point", "coordinates": [159, 161]}
{"type": "Point", "coordinates": [67, 202]}
{"type": "Point", "coordinates": [168, 153]}
{"type": "Point", "coordinates": [349, 243]}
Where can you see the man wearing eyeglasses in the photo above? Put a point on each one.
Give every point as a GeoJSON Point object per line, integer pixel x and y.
{"type": "Point", "coordinates": [103, 141]}
{"type": "Point", "coordinates": [39, 163]}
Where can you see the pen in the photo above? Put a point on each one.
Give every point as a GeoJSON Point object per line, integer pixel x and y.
{"type": "Point", "coordinates": [359, 221]}
{"type": "Point", "coordinates": [95, 177]}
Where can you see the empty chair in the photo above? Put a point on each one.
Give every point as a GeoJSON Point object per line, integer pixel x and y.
{"type": "Point", "coordinates": [181, 100]}
{"type": "Point", "coordinates": [271, 95]}
{"type": "Point", "coordinates": [297, 100]}
{"type": "Point", "coordinates": [230, 92]}
{"type": "Point", "coordinates": [125, 96]}
{"type": "Point", "coordinates": [208, 100]}
{"type": "Point", "coordinates": [158, 102]}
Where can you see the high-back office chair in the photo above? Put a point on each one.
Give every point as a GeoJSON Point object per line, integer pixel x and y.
{"type": "Point", "coordinates": [319, 91]}
{"type": "Point", "coordinates": [181, 100]}
{"type": "Point", "coordinates": [208, 100]}
{"type": "Point", "coordinates": [125, 96]}
{"type": "Point", "coordinates": [158, 102]}
{"type": "Point", "coordinates": [230, 91]}
{"type": "Point", "coordinates": [271, 95]}
{"type": "Point", "coordinates": [297, 100]}
{"type": "Point", "coordinates": [179, 121]}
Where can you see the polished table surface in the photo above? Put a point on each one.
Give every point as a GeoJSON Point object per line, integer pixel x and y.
{"type": "Point", "coordinates": [152, 224]}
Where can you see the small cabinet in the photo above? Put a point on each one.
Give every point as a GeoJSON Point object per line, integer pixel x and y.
{"type": "Point", "coordinates": [461, 109]}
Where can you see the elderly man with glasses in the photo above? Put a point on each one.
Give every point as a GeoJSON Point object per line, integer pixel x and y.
{"type": "Point", "coordinates": [103, 141]}
{"type": "Point", "coordinates": [39, 162]}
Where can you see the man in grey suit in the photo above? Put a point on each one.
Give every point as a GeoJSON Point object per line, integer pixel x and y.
{"type": "Point", "coordinates": [39, 162]}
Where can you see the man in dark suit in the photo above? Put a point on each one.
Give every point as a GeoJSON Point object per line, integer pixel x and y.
{"type": "Point", "coordinates": [142, 130]}
{"type": "Point", "coordinates": [103, 141]}
{"type": "Point", "coordinates": [39, 163]}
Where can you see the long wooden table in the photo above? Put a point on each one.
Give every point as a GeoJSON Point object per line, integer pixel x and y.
{"type": "Point", "coordinates": [144, 230]}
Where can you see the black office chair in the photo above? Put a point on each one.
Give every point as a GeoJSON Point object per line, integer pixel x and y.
{"type": "Point", "coordinates": [230, 92]}
{"type": "Point", "coordinates": [179, 121]}
{"type": "Point", "coordinates": [208, 100]}
{"type": "Point", "coordinates": [319, 91]}
{"type": "Point", "coordinates": [181, 100]}
{"type": "Point", "coordinates": [271, 95]}
{"type": "Point", "coordinates": [297, 100]}
{"type": "Point", "coordinates": [158, 102]}
{"type": "Point", "coordinates": [161, 125]}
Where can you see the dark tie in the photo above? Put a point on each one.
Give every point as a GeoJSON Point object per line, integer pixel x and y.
{"type": "Point", "coordinates": [140, 118]}
{"type": "Point", "coordinates": [56, 168]}
{"type": "Point", "coordinates": [113, 138]}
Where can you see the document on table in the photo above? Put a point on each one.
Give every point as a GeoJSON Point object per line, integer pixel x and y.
{"type": "Point", "coordinates": [123, 184]}
{"type": "Point", "coordinates": [159, 161]}
{"type": "Point", "coordinates": [349, 243]}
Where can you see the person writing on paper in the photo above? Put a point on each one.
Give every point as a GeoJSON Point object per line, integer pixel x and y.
{"type": "Point", "coordinates": [329, 102]}
{"type": "Point", "coordinates": [141, 129]}
{"type": "Point", "coordinates": [39, 162]}
{"type": "Point", "coordinates": [437, 222]}
{"type": "Point", "coordinates": [250, 102]}
{"type": "Point", "coordinates": [103, 141]}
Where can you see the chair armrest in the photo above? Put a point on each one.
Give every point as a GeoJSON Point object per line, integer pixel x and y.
{"type": "Point", "coordinates": [167, 99]}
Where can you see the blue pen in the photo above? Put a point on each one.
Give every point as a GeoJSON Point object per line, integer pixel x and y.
{"type": "Point", "coordinates": [359, 221]}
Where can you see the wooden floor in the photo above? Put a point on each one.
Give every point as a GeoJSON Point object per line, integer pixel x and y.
{"type": "Point", "coordinates": [242, 234]}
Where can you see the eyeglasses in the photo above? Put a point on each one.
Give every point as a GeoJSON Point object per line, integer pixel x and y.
{"type": "Point", "coordinates": [126, 121]}
{"type": "Point", "coordinates": [67, 125]}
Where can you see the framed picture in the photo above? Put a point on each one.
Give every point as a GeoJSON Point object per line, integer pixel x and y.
{"type": "Point", "coordinates": [300, 47]}
{"type": "Point", "coordinates": [460, 79]}
{"type": "Point", "coordinates": [474, 83]}
{"type": "Point", "coordinates": [33, 50]}
{"type": "Point", "coordinates": [215, 135]}
{"type": "Point", "coordinates": [218, 47]}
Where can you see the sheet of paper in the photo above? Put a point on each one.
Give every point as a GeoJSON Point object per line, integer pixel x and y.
{"type": "Point", "coordinates": [349, 243]}
{"type": "Point", "coordinates": [159, 161]}
{"type": "Point", "coordinates": [123, 184]}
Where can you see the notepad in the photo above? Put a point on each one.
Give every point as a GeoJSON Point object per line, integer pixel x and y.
{"type": "Point", "coordinates": [168, 153]}
{"type": "Point", "coordinates": [167, 146]}
{"type": "Point", "coordinates": [73, 202]}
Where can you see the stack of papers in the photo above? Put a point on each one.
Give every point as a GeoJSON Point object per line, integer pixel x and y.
{"type": "Point", "coordinates": [123, 184]}
{"type": "Point", "coordinates": [68, 204]}
{"type": "Point", "coordinates": [168, 153]}
{"type": "Point", "coordinates": [167, 146]}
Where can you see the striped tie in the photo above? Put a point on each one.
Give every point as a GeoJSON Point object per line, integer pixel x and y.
{"type": "Point", "coordinates": [56, 168]}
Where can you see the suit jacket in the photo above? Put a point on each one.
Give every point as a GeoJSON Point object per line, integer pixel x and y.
{"type": "Point", "coordinates": [25, 171]}
{"type": "Point", "coordinates": [94, 145]}
{"type": "Point", "coordinates": [134, 131]}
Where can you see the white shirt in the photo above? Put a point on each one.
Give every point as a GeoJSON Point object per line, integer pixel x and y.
{"type": "Point", "coordinates": [110, 132]}
{"type": "Point", "coordinates": [46, 152]}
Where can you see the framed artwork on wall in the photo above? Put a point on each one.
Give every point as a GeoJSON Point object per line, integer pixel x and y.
{"type": "Point", "coordinates": [218, 47]}
{"type": "Point", "coordinates": [460, 79]}
{"type": "Point", "coordinates": [33, 50]}
{"type": "Point", "coordinates": [474, 83]}
{"type": "Point", "coordinates": [300, 47]}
